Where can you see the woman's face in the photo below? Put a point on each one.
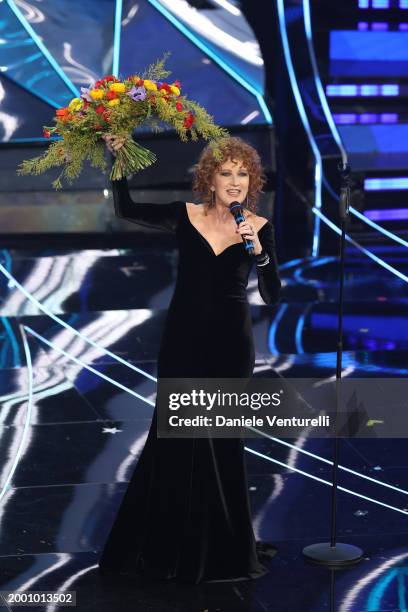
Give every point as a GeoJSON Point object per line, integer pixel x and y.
{"type": "Point", "coordinates": [231, 182]}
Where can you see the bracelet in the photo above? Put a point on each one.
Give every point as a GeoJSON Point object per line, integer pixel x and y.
{"type": "Point", "coordinates": [261, 256]}
{"type": "Point", "coordinates": [263, 260]}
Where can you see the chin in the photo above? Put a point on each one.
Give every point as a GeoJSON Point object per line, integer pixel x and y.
{"type": "Point", "coordinates": [237, 198]}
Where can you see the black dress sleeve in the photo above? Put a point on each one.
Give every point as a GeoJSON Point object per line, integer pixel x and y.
{"type": "Point", "coordinates": [158, 216]}
{"type": "Point", "coordinates": [269, 283]}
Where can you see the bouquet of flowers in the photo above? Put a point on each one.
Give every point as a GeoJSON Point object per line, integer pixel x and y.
{"type": "Point", "coordinates": [118, 106]}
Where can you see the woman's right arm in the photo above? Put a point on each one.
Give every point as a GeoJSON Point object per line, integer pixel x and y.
{"type": "Point", "coordinates": [158, 216]}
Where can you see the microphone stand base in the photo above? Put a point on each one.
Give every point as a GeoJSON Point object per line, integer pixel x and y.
{"type": "Point", "coordinates": [340, 555]}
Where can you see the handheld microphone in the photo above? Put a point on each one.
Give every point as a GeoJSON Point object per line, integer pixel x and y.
{"type": "Point", "coordinates": [237, 212]}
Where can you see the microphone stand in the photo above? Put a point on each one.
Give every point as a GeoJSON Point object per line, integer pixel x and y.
{"type": "Point", "coordinates": [333, 553]}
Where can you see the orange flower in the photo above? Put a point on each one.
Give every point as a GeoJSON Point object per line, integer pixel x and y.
{"type": "Point", "coordinates": [66, 118]}
{"type": "Point", "coordinates": [61, 112]}
{"type": "Point", "coordinates": [111, 95]}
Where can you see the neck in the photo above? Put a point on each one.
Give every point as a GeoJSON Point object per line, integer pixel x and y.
{"type": "Point", "coordinates": [220, 212]}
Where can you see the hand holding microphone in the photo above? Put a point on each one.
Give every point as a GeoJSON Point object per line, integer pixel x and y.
{"type": "Point", "coordinates": [246, 229]}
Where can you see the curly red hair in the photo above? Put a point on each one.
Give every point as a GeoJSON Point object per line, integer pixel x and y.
{"type": "Point", "coordinates": [234, 149]}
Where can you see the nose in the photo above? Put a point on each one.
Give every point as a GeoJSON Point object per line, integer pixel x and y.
{"type": "Point", "coordinates": [234, 180]}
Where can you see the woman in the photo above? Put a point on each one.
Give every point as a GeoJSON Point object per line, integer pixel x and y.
{"type": "Point", "coordinates": [186, 513]}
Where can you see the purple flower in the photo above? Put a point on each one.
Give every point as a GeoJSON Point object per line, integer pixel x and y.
{"type": "Point", "coordinates": [85, 93]}
{"type": "Point", "coordinates": [137, 93]}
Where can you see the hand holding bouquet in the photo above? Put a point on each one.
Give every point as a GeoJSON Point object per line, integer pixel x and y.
{"type": "Point", "coordinates": [114, 106]}
{"type": "Point", "coordinates": [114, 143]}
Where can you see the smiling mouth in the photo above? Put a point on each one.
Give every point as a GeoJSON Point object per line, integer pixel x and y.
{"type": "Point", "coordinates": [233, 191]}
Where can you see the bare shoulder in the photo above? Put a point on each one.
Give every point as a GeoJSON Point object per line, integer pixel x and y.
{"type": "Point", "coordinates": [195, 210]}
{"type": "Point", "coordinates": [257, 220]}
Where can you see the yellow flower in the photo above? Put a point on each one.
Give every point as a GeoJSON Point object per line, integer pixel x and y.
{"type": "Point", "coordinates": [175, 90]}
{"type": "Point", "coordinates": [118, 87]}
{"type": "Point", "coordinates": [114, 102]}
{"type": "Point", "coordinates": [150, 85]}
{"type": "Point", "coordinates": [75, 104]}
{"type": "Point", "coordinates": [97, 94]}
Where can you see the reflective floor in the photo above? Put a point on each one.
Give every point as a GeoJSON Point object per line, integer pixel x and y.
{"type": "Point", "coordinates": [66, 456]}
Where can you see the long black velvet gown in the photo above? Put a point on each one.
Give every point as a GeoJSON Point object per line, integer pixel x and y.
{"type": "Point", "coordinates": [186, 512]}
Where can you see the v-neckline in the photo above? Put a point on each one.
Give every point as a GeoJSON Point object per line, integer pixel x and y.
{"type": "Point", "coordinates": [207, 242]}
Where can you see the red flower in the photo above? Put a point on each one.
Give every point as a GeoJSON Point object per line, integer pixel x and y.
{"type": "Point", "coordinates": [177, 84]}
{"type": "Point", "coordinates": [100, 109]}
{"type": "Point", "coordinates": [61, 112]}
{"type": "Point", "coordinates": [106, 116]}
{"type": "Point", "coordinates": [98, 84]}
{"type": "Point", "coordinates": [111, 95]}
{"type": "Point", "coordinates": [46, 133]}
{"type": "Point", "coordinates": [166, 87]}
{"type": "Point", "coordinates": [109, 78]}
{"type": "Point", "coordinates": [189, 120]}
{"type": "Point", "coordinates": [179, 106]}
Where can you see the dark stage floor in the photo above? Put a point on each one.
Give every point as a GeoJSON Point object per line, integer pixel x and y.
{"type": "Point", "coordinates": [66, 456]}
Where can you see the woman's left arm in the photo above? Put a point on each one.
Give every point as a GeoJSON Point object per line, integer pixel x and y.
{"type": "Point", "coordinates": [269, 283]}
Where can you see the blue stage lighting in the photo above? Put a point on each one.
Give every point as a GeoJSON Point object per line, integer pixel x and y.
{"type": "Point", "coordinates": [369, 254]}
{"type": "Point", "coordinates": [362, 90]}
{"type": "Point", "coordinates": [42, 47]}
{"type": "Point", "coordinates": [379, 26]}
{"type": "Point", "coordinates": [365, 118]}
{"type": "Point", "coordinates": [369, 90]}
{"type": "Point", "coordinates": [388, 214]}
{"type": "Point", "coordinates": [390, 90]}
{"type": "Point", "coordinates": [216, 58]}
{"type": "Point", "coordinates": [345, 118]}
{"type": "Point", "coordinates": [341, 90]}
{"type": "Point", "coordinates": [116, 37]}
{"type": "Point", "coordinates": [305, 121]}
{"type": "Point", "coordinates": [380, 4]}
{"type": "Point", "coordinates": [386, 184]}
{"type": "Point", "coordinates": [316, 76]}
